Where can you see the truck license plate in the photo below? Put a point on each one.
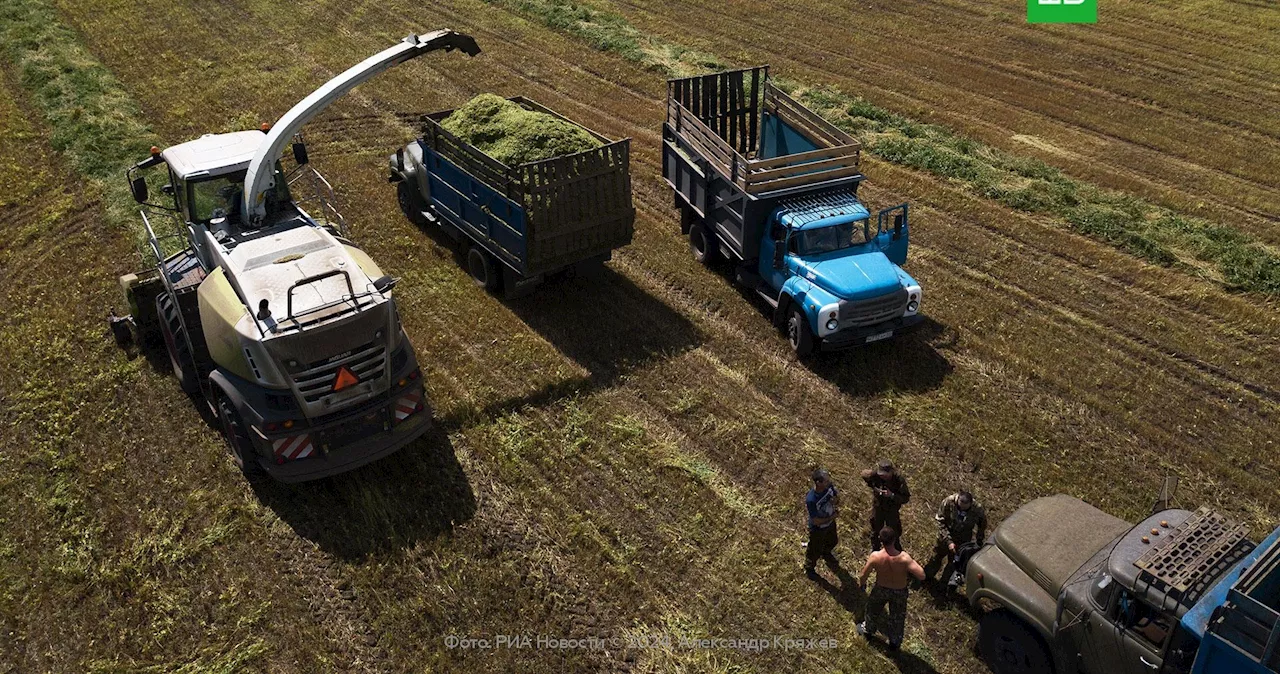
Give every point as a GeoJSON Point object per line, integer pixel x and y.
{"type": "Point", "coordinates": [883, 335]}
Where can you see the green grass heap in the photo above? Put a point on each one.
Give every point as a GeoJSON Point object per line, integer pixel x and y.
{"type": "Point", "coordinates": [513, 135]}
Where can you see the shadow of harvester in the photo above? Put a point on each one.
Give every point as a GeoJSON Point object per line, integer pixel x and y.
{"type": "Point", "coordinates": [415, 494]}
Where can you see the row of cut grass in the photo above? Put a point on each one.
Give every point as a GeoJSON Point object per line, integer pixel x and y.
{"type": "Point", "coordinates": [1133, 225]}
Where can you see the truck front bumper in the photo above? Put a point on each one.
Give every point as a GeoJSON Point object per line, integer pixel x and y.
{"type": "Point", "coordinates": [851, 337]}
{"type": "Point", "coordinates": [346, 443]}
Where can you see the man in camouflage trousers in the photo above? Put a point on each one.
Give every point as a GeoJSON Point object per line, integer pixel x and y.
{"type": "Point", "coordinates": [889, 492]}
{"type": "Point", "coordinates": [959, 517]}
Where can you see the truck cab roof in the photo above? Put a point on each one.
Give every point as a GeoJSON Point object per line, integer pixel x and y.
{"type": "Point", "coordinates": [814, 211]}
{"type": "Point", "coordinates": [213, 154]}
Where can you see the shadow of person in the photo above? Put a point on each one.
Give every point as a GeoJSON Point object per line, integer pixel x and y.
{"type": "Point", "coordinates": [415, 494]}
{"type": "Point", "coordinates": [848, 594]}
{"type": "Point", "coordinates": [906, 662]}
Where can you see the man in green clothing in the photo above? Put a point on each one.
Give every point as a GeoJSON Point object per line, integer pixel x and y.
{"type": "Point", "coordinates": [958, 518]}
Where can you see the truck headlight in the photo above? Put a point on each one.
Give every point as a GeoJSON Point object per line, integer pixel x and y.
{"type": "Point", "coordinates": [828, 319]}
{"type": "Point", "coordinates": [914, 295]}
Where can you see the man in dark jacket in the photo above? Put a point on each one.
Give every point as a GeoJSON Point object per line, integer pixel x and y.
{"type": "Point", "coordinates": [822, 503]}
{"type": "Point", "coordinates": [889, 492]}
{"type": "Point", "coordinates": [959, 517]}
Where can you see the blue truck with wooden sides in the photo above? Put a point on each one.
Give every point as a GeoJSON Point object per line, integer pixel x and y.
{"type": "Point", "coordinates": [518, 225]}
{"type": "Point", "coordinates": [764, 182]}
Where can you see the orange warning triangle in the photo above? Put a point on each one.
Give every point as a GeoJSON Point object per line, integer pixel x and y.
{"type": "Point", "coordinates": [345, 378]}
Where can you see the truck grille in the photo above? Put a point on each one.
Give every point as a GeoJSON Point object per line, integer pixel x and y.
{"type": "Point", "coordinates": [874, 310]}
{"type": "Point", "coordinates": [316, 381]}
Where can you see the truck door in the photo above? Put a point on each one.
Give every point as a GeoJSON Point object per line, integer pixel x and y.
{"type": "Point", "coordinates": [892, 233]}
{"type": "Point", "coordinates": [1099, 641]}
{"type": "Point", "coordinates": [775, 275]}
{"type": "Point", "coordinates": [1143, 630]}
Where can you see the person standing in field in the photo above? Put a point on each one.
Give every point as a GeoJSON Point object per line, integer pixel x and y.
{"type": "Point", "coordinates": [823, 505]}
{"type": "Point", "coordinates": [889, 492]}
{"type": "Point", "coordinates": [887, 603]}
{"type": "Point", "coordinates": [959, 517]}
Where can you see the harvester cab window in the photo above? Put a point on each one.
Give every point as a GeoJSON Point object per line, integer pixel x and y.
{"type": "Point", "coordinates": [217, 197]}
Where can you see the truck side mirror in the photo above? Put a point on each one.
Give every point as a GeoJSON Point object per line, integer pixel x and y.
{"type": "Point", "coordinates": [778, 232]}
{"type": "Point", "coordinates": [899, 219]}
{"type": "Point", "coordinates": [779, 256]}
{"type": "Point", "coordinates": [300, 153]}
{"type": "Point", "coordinates": [138, 186]}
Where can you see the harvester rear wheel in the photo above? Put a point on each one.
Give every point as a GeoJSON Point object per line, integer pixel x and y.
{"type": "Point", "coordinates": [175, 342]}
{"type": "Point", "coordinates": [236, 435]}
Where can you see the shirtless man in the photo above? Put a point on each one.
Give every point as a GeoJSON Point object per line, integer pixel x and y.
{"type": "Point", "coordinates": [892, 567]}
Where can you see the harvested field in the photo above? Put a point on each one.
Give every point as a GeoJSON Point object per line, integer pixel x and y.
{"type": "Point", "coordinates": [623, 458]}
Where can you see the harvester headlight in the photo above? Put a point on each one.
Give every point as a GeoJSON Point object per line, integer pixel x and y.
{"type": "Point", "coordinates": [832, 324]}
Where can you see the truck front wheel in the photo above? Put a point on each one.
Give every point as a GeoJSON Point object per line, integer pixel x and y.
{"type": "Point", "coordinates": [798, 332]}
{"type": "Point", "coordinates": [1009, 646]}
{"type": "Point", "coordinates": [410, 203]}
{"type": "Point", "coordinates": [703, 244]}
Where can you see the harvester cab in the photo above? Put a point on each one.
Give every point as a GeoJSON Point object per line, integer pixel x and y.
{"type": "Point", "coordinates": [266, 309]}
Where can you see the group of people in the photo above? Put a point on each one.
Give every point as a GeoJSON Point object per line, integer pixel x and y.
{"type": "Point", "coordinates": [961, 528]}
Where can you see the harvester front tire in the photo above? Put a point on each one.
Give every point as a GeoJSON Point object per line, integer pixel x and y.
{"type": "Point", "coordinates": [236, 435]}
{"type": "Point", "coordinates": [175, 343]}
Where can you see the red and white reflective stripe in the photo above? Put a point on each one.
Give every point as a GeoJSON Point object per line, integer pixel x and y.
{"type": "Point", "coordinates": [406, 405]}
{"type": "Point", "coordinates": [293, 447]}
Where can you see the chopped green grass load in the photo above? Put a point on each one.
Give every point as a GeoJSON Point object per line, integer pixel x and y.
{"type": "Point", "coordinates": [513, 135]}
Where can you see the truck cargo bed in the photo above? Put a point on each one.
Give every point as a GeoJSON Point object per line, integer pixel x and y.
{"type": "Point", "coordinates": [536, 217]}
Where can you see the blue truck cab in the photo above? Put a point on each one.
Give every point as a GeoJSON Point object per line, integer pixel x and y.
{"type": "Point", "coordinates": [764, 182]}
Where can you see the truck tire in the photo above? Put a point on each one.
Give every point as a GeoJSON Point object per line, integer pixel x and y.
{"type": "Point", "coordinates": [234, 432]}
{"type": "Point", "coordinates": [483, 270]}
{"type": "Point", "coordinates": [411, 204]}
{"type": "Point", "coordinates": [703, 244]}
{"type": "Point", "coordinates": [1009, 646]}
{"type": "Point", "coordinates": [798, 331]}
{"type": "Point", "coordinates": [176, 345]}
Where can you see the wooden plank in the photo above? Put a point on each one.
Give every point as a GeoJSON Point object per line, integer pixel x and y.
{"type": "Point", "coordinates": [798, 169]}
{"type": "Point", "coordinates": [811, 155]}
{"type": "Point", "coordinates": [808, 178]}
{"type": "Point", "coordinates": [754, 143]}
{"type": "Point", "coordinates": [790, 104]}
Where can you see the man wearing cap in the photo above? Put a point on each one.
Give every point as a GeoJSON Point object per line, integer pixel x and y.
{"type": "Point", "coordinates": [889, 492]}
{"type": "Point", "coordinates": [958, 518]}
{"type": "Point", "coordinates": [822, 503]}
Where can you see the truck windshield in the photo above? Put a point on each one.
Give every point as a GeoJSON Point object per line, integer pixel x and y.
{"type": "Point", "coordinates": [833, 237]}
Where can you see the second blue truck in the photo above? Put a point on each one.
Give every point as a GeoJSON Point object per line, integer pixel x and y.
{"type": "Point", "coordinates": [764, 182]}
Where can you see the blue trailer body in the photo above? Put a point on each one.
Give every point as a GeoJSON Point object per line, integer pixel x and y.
{"type": "Point", "coordinates": [766, 183]}
{"type": "Point", "coordinates": [1238, 620]}
{"type": "Point", "coordinates": [520, 223]}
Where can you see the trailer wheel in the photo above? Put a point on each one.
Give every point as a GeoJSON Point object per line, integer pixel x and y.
{"type": "Point", "coordinates": [703, 244]}
{"type": "Point", "coordinates": [1009, 646]}
{"type": "Point", "coordinates": [176, 345]}
{"type": "Point", "coordinates": [798, 332]}
{"type": "Point", "coordinates": [482, 269]}
{"type": "Point", "coordinates": [410, 204]}
{"type": "Point", "coordinates": [234, 432]}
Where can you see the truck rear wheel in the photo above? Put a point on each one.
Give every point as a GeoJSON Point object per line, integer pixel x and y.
{"type": "Point", "coordinates": [175, 343]}
{"type": "Point", "coordinates": [236, 435]}
{"type": "Point", "coordinates": [410, 203]}
{"type": "Point", "coordinates": [798, 332]}
{"type": "Point", "coordinates": [703, 244]}
{"type": "Point", "coordinates": [1009, 646]}
{"type": "Point", "coordinates": [483, 270]}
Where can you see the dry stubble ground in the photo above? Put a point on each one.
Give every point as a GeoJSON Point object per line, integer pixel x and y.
{"type": "Point", "coordinates": [618, 458]}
